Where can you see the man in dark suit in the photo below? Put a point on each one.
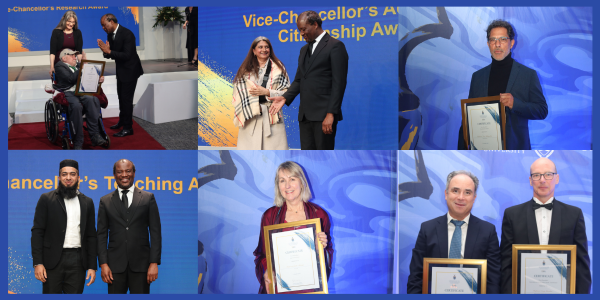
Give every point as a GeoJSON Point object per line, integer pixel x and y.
{"type": "Point", "coordinates": [457, 234]}
{"type": "Point", "coordinates": [120, 46]}
{"type": "Point", "coordinates": [129, 257]}
{"type": "Point", "coordinates": [66, 72]}
{"type": "Point", "coordinates": [321, 82]}
{"type": "Point", "coordinates": [63, 236]}
{"type": "Point", "coordinates": [518, 86]}
{"type": "Point", "coordinates": [544, 220]}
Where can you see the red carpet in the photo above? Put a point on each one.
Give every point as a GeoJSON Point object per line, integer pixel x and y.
{"type": "Point", "coordinates": [32, 136]}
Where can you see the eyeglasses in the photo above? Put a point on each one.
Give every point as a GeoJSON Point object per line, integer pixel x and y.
{"type": "Point", "coordinates": [548, 176]}
{"type": "Point", "coordinates": [502, 39]}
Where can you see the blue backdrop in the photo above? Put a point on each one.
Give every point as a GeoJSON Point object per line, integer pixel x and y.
{"type": "Point", "coordinates": [356, 188]}
{"type": "Point", "coordinates": [369, 104]}
{"type": "Point", "coordinates": [554, 41]}
{"type": "Point", "coordinates": [503, 182]}
{"type": "Point", "coordinates": [32, 29]}
{"type": "Point", "coordinates": [177, 272]}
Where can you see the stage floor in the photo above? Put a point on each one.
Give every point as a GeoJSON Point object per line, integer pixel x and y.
{"type": "Point", "coordinates": [149, 66]}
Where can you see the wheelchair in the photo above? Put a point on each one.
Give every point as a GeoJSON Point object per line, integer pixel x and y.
{"type": "Point", "coordinates": [58, 124]}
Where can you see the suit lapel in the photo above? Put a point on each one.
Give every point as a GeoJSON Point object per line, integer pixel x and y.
{"type": "Point", "coordinates": [82, 215]}
{"type": "Point", "coordinates": [532, 232]}
{"type": "Point", "coordinates": [320, 46]}
{"type": "Point", "coordinates": [137, 195]}
{"type": "Point", "coordinates": [442, 232]}
{"type": "Point", "coordinates": [472, 234]}
{"type": "Point", "coordinates": [555, 225]}
{"type": "Point", "coordinates": [61, 201]}
{"type": "Point", "coordinates": [303, 51]}
{"type": "Point", "coordinates": [486, 81]}
{"type": "Point", "coordinates": [514, 71]}
{"type": "Point", "coordinates": [118, 204]}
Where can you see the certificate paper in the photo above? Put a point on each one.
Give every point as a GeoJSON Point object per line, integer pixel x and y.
{"type": "Point", "coordinates": [90, 75]}
{"type": "Point", "coordinates": [295, 260]}
{"type": "Point", "coordinates": [485, 131]}
{"type": "Point", "coordinates": [543, 273]}
{"type": "Point", "coordinates": [453, 280]}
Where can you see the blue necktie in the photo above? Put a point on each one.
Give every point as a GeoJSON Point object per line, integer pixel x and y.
{"type": "Point", "coordinates": [456, 243]}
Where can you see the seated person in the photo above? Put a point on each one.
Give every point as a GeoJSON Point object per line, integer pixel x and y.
{"type": "Point", "coordinates": [66, 71]}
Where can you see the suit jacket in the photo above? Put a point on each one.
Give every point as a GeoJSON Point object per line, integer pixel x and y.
{"type": "Point", "coordinates": [529, 103]}
{"type": "Point", "coordinates": [322, 84]}
{"type": "Point", "coordinates": [481, 243]}
{"type": "Point", "coordinates": [122, 50]}
{"type": "Point", "coordinates": [64, 77]}
{"type": "Point", "coordinates": [49, 228]}
{"type": "Point", "coordinates": [123, 238]}
{"type": "Point", "coordinates": [567, 227]}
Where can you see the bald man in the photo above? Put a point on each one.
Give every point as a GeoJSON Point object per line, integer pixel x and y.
{"type": "Point", "coordinates": [544, 220]}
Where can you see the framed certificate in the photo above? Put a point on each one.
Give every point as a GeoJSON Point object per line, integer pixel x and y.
{"type": "Point", "coordinates": [295, 258]}
{"type": "Point", "coordinates": [484, 122]}
{"type": "Point", "coordinates": [543, 269]}
{"type": "Point", "coordinates": [454, 276]}
{"type": "Point", "coordinates": [88, 79]}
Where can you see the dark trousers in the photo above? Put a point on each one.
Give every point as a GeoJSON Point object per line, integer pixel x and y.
{"type": "Point", "coordinates": [125, 91]}
{"type": "Point", "coordinates": [313, 138]}
{"type": "Point", "coordinates": [78, 105]}
{"type": "Point", "coordinates": [68, 277]}
{"type": "Point", "coordinates": [135, 282]}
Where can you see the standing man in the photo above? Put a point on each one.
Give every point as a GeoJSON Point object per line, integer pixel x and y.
{"type": "Point", "coordinates": [130, 255]}
{"type": "Point", "coordinates": [63, 236]}
{"type": "Point", "coordinates": [120, 46]}
{"type": "Point", "coordinates": [544, 220]}
{"type": "Point", "coordinates": [321, 82]}
{"type": "Point", "coordinates": [457, 234]}
{"type": "Point", "coordinates": [518, 86]}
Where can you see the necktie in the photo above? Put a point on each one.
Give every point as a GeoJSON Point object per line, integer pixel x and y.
{"type": "Point", "coordinates": [124, 199]}
{"type": "Point", "coordinates": [310, 47]}
{"type": "Point", "coordinates": [456, 243]}
{"type": "Point", "coordinates": [547, 206]}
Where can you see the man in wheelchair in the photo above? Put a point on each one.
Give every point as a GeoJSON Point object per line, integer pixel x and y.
{"type": "Point", "coordinates": [66, 72]}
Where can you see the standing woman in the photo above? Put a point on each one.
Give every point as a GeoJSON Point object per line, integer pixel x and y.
{"type": "Point", "coordinates": [65, 35]}
{"type": "Point", "coordinates": [191, 22]}
{"type": "Point", "coordinates": [292, 195]}
{"type": "Point", "coordinates": [260, 76]}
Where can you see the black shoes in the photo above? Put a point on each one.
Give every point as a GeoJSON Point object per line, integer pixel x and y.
{"type": "Point", "coordinates": [116, 126]}
{"type": "Point", "coordinates": [124, 132]}
{"type": "Point", "coordinates": [98, 140]}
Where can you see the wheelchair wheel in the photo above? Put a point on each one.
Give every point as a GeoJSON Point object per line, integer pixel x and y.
{"type": "Point", "coordinates": [51, 121]}
{"type": "Point", "coordinates": [66, 144]}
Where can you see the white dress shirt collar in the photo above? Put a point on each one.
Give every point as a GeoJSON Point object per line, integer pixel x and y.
{"type": "Point", "coordinates": [450, 218]}
{"type": "Point", "coordinates": [317, 40]}
{"type": "Point", "coordinates": [129, 194]}
{"type": "Point", "coordinates": [540, 202]}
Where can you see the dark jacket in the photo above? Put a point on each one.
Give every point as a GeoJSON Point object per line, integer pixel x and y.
{"type": "Point", "coordinates": [135, 237]}
{"type": "Point", "coordinates": [64, 77]}
{"type": "Point", "coordinates": [49, 228]}
{"type": "Point", "coordinates": [57, 40]}
{"type": "Point", "coordinates": [123, 52]}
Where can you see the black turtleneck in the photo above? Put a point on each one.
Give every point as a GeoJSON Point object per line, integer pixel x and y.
{"type": "Point", "coordinates": [499, 75]}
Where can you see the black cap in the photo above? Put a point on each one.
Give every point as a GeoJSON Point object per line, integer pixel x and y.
{"type": "Point", "coordinates": [69, 163]}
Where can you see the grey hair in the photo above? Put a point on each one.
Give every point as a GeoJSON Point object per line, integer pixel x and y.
{"type": "Point", "coordinates": [504, 24]}
{"type": "Point", "coordinates": [63, 22]}
{"type": "Point", "coordinates": [295, 171]}
{"type": "Point", "coordinates": [462, 172]}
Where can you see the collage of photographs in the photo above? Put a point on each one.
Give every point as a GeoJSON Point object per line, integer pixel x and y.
{"type": "Point", "coordinates": [300, 150]}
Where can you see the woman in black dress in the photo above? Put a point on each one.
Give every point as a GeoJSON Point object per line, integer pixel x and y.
{"type": "Point", "coordinates": [191, 23]}
{"type": "Point", "coordinates": [65, 35]}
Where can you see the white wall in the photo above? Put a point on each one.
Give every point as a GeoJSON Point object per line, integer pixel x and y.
{"type": "Point", "coordinates": [159, 43]}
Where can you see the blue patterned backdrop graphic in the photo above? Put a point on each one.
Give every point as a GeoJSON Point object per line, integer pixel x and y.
{"type": "Point", "coordinates": [356, 188]}
{"type": "Point", "coordinates": [32, 173]}
{"type": "Point", "coordinates": [554, 41]}
{"type": "Point", "coordinates": [503, 182]}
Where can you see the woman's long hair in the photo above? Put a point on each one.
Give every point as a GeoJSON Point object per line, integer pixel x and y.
{"type": "Point", "coordinates": [251, 65]}
{"type": "Point", "coordinates": [63, 22]}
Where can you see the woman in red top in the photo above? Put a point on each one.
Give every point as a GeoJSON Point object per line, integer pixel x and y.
{"type": "Point", "coordinates": [65, 35]}
{"type": "Point", "coordinates": [291, 204]}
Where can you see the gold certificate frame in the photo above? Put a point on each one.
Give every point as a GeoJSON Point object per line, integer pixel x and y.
{"type": "Point", "coordinates": [571, 251]}
{"type": "Point", "coordinates": [320, 271]}
{"type": "Point", "coordinates": [480, 264]}
{"type": "Point", "coordinates": [79, 91]}
{"type": "Point", "coordinates": [494, 101]}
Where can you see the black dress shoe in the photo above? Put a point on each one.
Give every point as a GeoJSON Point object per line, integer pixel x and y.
{"type": "Point", "coordinates": [116, 126]}
{"type": "Point", "coordinates": [124, 132]}
{"type": "Point", "coordinates": [97, 140]}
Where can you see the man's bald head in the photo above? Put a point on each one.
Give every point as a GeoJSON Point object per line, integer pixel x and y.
{"type": "Point", "coordinates": [542, 161]}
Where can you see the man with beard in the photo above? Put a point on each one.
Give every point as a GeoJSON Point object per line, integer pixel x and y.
{"type": "Point", "coordinates": [321, 82]}
{"type": "Point", "coordinates": [130, 256]}
{"type": "Point", "coordinates": [517, 85]}
{"type": "Point", "coordinates": [63, 236]}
